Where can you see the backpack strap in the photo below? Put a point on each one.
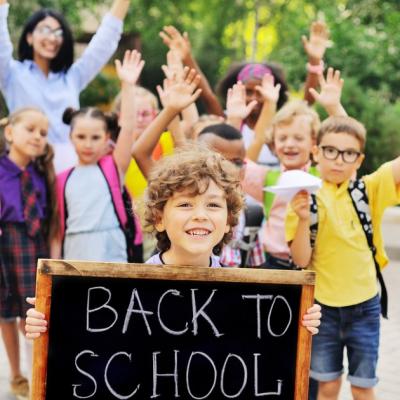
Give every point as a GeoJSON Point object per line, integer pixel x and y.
{"type": "Point", "coordinates": [111, 174]}
{"type": "Point", "coordinates": [313, 219]}
{"type": "Point", "coordinates": [61, 183]}
{"type": "Point", "coordinates": [122, 203]}
{"type": "Point", "coordinates": [270, 180]}
{"type": "Point", "coordinates": [359, 198]}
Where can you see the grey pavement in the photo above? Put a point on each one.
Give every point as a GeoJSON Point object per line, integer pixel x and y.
{"type": "Point", "coordinates": [389, 362]}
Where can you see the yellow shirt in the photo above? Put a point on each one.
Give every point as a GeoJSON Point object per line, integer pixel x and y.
{"type": "Point", "coordinates": [135, 182]}
{"type": "Point", "coordinates": [341, 258]}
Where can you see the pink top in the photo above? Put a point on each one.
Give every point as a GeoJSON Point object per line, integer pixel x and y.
{"type": "Point", "coordinates": [273, 234]}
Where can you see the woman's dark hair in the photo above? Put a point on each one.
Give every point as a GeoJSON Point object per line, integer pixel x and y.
{"type": "Point", "coordinates": [110, 119]}
{"type": "Point", "coordinates": [231, 78]}
{"type": "Point", "coordinates": [65, 56]}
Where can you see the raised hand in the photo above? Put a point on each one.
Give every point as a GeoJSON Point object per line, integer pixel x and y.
{"type": "Point", "coordinates": [268, 90]}
{"type": "Point", "coordinates": [132, 65]}
{"type": "Point", "coordinates": [180, 92]}
{"type": "Point", "coordinates": [176, 41]}
{"type": "Point", "coordinates": [331, 90]}
{"type": "Point", "coordinates": [174, 67]}
{"type": "Point", "coordinates": [236, 107]}
{"type": "Point", "coordinates": [318, 42]}
{"type": "Point", "coordinates": [301, 205]}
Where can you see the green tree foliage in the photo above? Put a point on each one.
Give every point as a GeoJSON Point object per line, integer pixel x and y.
{"type": "Point", "coordinates": [364, 33]}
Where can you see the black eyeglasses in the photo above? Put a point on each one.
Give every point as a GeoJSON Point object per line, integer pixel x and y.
{"type": "Point", "coordinates": [45, 30]}
{"type": "Point", "coordinates": [332, 153]}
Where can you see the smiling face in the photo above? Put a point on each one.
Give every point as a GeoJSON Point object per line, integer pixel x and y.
{"type": "Point", "coordinates": [46, 39]}
{"type": "Point", "coordinates": [194, 225]}
{"type": "Point", "coordinates": [293, 142]}
{"type": "Point", "coordinates": [27, 137]}
{"type": "Point", "coordinates": [89, 138]}
{"type": "Point", "coordinates": [337, 171]}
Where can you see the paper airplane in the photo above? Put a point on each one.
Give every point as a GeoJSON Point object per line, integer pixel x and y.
{"type": "Point", "coordinates": [292, 182]}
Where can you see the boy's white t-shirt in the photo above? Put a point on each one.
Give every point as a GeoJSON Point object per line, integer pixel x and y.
{"type": "Point", "coordinates": [157, 259]}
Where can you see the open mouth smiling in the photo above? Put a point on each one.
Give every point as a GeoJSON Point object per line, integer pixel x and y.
{"type": "Point", "coordinates": [198, 232]}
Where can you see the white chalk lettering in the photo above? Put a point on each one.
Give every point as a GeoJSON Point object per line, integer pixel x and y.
{"type": "Point", "coordinates": [118, 395]}
{"type": "Point", "coordinates": [103, 306]}
{"type": "Point", "coordinates": [195, 353]}
{"type": "Point", "coordinates": [258, 297]}
{"type": "Point", "coordinates": [232, 396]}
{"type": "Point", "coordinates": [130, 310]}
{"type": "Point", "coordinates": [166, 329]}
{"type": "Point", "coordinates": [270, 313]}
{"type": "Point", "coordinates": [278, 392]}
{"type": "Point", "coordinates": [197, 313]}
{"type": "Point", "coordinates": [156, 374]}
{"type": "Point", "coordinates": [75, 391]}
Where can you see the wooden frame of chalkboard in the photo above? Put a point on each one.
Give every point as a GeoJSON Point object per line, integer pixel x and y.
{"type": "Point", "coordinates": [49, 271]}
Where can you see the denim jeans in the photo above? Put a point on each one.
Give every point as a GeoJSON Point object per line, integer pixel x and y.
{"type": "Point", "coordinates": [355, 328]}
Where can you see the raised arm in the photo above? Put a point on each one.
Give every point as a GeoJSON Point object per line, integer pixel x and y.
{"type": "Point", "coordinates": [300, 247]}
{"type": "Point", "coordinates": [120, 8]}
{"type": "Point", "coordinates": [315, 47]}
{"type": "Point", "coordinates": [190, 115]}
{"type": "Point", "coordinates": [181, 43]}
{"type": "Point", "coordinates": [101, 47]}
{"type": "Point", "coordinates": [270, 93]}
{"type": "Point", "coordinates": [176, 95]}
{"type": "Point", "coordinates": [6, 47]}
{"type": "Point", "coordinates": [128, 73]}
{"type": "Point", "coordinates": [331, 92]}
{"type": "Point", "coordinates": [396, 170]}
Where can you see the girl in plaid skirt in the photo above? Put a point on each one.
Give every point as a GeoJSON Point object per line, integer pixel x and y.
{"type": "Point", "coordinates": [27, 219]}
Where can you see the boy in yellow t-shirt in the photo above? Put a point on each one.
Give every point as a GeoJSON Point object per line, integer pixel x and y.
{"type": "Point", "coordinates": [346, 284]}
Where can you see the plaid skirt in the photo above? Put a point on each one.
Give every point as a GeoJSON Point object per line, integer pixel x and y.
{"type": "Point", "coordinates": [18, 258]}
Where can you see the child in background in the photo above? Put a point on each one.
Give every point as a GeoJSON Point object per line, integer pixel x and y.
{"type": "Point", "coordinates": [254, 76]}
{"type": "Point", "coordinates": [178, 93]}
{"type": "Point", "coordinates": [193, 201]}
{"type": "Point", "coordinates": [94, 221]}
{"type": "Point", "coordinates": [27, 221]}
{"type": "Point", "coordinates": [346, 253]}
{"type": "Point", "coordinates": [294, 129]}
{"type": "Point", "coordinates": [146, 106]}
{"type": "Point", "coordinates": [228, 141]}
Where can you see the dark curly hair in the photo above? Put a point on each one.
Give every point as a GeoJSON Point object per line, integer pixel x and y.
{"type": "Point", "coordinates": [191, 168]}
{"type": "Point", "coordinates": [231, 78]}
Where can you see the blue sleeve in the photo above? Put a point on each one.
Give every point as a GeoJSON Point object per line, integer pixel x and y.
{"type": "Point", "coordinates": [98, 52]}
{"type": "Point", "coordinates": [6, 47]}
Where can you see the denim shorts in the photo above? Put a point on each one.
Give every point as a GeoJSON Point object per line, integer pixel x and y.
{"type": "Point", "coordinates": [355, 328]}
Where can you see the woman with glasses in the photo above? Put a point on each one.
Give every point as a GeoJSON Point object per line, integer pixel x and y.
{"type": "Point", "coordinates": [45, 74]}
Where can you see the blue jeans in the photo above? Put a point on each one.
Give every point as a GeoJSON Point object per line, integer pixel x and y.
{"type": "Point", "coordinates": [356, 328]}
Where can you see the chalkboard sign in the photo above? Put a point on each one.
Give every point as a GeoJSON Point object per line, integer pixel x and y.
{"type": "Point", "coordinates": [135, 331]}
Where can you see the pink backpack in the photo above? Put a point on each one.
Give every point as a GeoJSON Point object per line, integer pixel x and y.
{"type": "Point", "coordinates": [129, 223]}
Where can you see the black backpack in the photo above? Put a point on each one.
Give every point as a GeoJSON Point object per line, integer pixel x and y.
{"type": "Point", "coordinates": [359, 197]}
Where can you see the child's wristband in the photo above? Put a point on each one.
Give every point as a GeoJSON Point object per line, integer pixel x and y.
{"type": "Point", "coordinates": [316, 69]}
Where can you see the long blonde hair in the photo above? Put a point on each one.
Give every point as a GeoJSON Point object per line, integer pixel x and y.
{"type": "Point", "coordinates": [44, 164]}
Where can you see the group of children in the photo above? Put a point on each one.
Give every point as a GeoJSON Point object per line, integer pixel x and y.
{"type": "Point", "coordinates": [195, 198]}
